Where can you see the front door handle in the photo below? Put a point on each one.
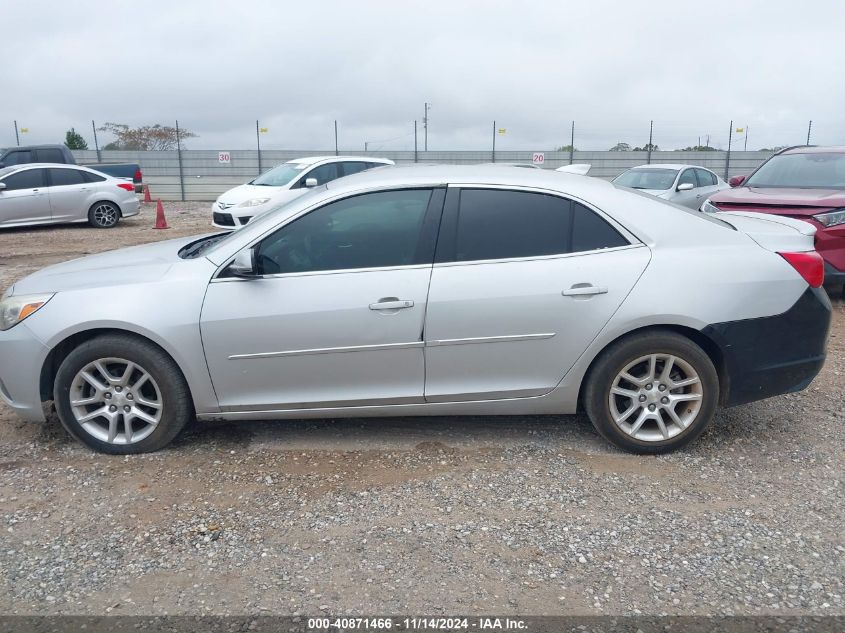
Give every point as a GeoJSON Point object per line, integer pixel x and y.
{"type": "Point", "coordinates": [392, 303]}
{"type": "Point", "coordinates": [581, 290]}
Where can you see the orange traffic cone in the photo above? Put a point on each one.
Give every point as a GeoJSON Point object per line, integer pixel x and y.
{"type": "Point", "coordinates": [147, 197]}
{"type": "Point", "coordinates": [161, 221]}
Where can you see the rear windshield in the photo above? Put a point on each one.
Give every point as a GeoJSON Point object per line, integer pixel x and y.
{"type": "Point", "coordinates": [280, 175]}
{"type": "Point", "coordinates": [660, 179]}
{"type": "Point", "coordinates": [801, 171]}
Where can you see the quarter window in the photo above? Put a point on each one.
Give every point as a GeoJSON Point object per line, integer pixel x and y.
{"type": "Point", "coordinates": [92, 177]}
{"type": "Point", "coordinates": [368, 231]}
{"type": "Point", "coordinates": [62, 177]}
{"type": "Point", "coordinates": [51, 156]}
{"type": "Point", "coordinates": [27, 179]}
{"type": "Point", "coordinates": [497, 224]}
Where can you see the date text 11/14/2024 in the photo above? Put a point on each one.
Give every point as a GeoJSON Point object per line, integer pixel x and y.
{"type": "Point", "coordinates": [416, 624]}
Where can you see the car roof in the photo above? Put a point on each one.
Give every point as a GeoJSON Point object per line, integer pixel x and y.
{"type": "Point", "coordinates": [668, 166]}
{"type": "Point", "coordinates": [813, 149]}
{"type": "Point", "coordinates": [310, 160]}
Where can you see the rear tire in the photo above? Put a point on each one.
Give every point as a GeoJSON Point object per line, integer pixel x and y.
{"type": "Point", "coordinates": [104, 215]}
{"type": "Point", "coordinates": [652, 393]}
{"type": "Point", "coordinates": [122, 395]}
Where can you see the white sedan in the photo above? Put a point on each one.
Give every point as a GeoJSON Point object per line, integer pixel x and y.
{"type": "Point", "coordinates": [47, 193]}
{"type": "Point", "coordinates": [687, 185]}
{"type": "Point", "coordinates": [282, 184]}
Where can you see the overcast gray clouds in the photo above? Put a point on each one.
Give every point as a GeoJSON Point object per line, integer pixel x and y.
{"type": "Point", "coordinates": [533, 66]}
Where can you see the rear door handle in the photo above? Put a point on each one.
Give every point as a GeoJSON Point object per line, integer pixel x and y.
{"type": "Point", "coordinates": [581, 290]}
{"type": "Point", "coordinates": [391, 303]}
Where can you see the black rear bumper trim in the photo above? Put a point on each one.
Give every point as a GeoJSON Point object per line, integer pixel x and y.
{"type": "Point", "coordinates": [769, 356]}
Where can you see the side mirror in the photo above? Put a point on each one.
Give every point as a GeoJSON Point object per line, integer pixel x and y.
{"type": "Point", "coordinates": [736, 181]}
{"type": "Point", "coordinates": [244, 264]}
{"type": "Point", "coordinates": [310, 182]}
{"type": "Point", "coordinates": [685, 186]}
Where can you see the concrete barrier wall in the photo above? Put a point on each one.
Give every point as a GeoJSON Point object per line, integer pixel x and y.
{"type": "Point", "coordinates": [205, 178]}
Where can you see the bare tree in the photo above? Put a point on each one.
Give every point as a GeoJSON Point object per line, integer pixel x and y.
{"type": "Point", "coordinates": [147, 137]}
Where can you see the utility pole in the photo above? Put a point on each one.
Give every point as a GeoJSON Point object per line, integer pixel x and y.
{"type": "Point", "coordinates": [365, 145]}
{"type": "Point", "coordinates": [416, 158]}
{"type": "Point", "coordinates": [425, 126]}
{"type": "Point", "coordinates": [493, 155]}
{"type": "Point", "coordinates": [809, 129]}
{"type": "Point", "coordinates": [17, 137]}
{"type": "Point", "coordinates": [258, 144]}
{"type": "Point", "coordinates": [572, 143]}
{"type": "Point", "coordinates": [335, 137]}
{"type": "Point", "coordinates": [728, 155]}
{"type": "Point", "coordinates": [179, 154]}
{"type": "Point", "coordinates": [745, 145]}
{"type": "Point", "coordinates": [96, 144]}
{"type": "Point", "coordinates": [650, 136]}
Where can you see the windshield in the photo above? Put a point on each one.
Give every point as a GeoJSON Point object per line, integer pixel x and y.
{"type": "Point", "coordinates": [647, 178]}
{"type": "Point", "coordinates": [280, 175]}
{"type": "Point", "coordinates": [802, 171]}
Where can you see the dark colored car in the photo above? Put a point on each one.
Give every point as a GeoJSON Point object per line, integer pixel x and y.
{"type": "Point", "coordinates": [806, 183]}
{"type": "Point", "coordinates": [62, 155]}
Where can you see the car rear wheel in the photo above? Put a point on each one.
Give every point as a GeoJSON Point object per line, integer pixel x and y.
{"type": "Point", "coordinates": [121, 395]}
{"type": "Point", "coordinates": [103, 215]}
{"type": "Point", "coordinates": [652, 393]}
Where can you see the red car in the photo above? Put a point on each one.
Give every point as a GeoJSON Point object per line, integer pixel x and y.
{"type": "Point", "coordinates": [806, 183]}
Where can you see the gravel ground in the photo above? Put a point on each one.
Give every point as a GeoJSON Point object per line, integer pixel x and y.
{"type": "Point", "coordinates": [522, 515]}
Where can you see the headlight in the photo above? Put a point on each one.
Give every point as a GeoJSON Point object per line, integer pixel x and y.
{"type": "Point", "coordinates": [709, 207]}
{"type": "Point", "coordinates": [832, 218]}
{"type": "Point", "coordinates": [13, 310]}
{"type": "Point", "coordinates": [255, 202]}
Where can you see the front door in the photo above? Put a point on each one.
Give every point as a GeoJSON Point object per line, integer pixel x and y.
{"type": "Point", "coordinates": [25, 198]}
{"type": "Point", "coordinates": [523, 282]}
{"type": "Point", "coordinates": [335, 314]}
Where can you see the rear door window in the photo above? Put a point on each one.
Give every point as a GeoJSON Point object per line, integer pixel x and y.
{"type": "Point", "coordinates": [705, 178]}
{"type": "Point", "coordinates": [494, 224]}
{"type": "Point", "coordinates": [27, 179]}
{"type": "Point", "coordinates": [92, 177]}
{"type": "Point", "coordinates": [51, 156]}
{"type": "Point", "coordinates": [63, 177]}
{"type": "Point", "coordinates": [353, 167]}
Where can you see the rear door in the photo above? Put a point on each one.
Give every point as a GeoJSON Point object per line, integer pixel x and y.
{"type": "Point", "coordinates": [25, 197]}
{"type": "Point", "coordinates": [707, 185]}
{"type": "Point", "coordinates": [69, 192]}
{"type": "Point", "coordinates": [523, 281]}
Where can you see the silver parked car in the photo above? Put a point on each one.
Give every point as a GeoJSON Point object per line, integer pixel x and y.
{"type": "Point", "coordinates": [687, 185]}
{"type": "Point", "coordinates": [441, 290]}
{"type": "Point", "coordinates": [47, 193]}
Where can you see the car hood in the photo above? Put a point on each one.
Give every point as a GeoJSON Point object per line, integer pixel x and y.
{"type": "Point", "coordinates": [137, 264]}
{"type": "Point", "coordinates": [812, 199]}
{"type": "Point", "coordinates": [242, 193]}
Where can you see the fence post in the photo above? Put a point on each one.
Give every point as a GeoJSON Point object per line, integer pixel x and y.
{"type": "Point", "coordinates": [809, 129]}
{"type": "Point", "coordinates": [728, 155]}
{"type": "Point", "coordinates": [335, 138]}
{"type": "Point", "coordinates": [416, 158]}
{"type": "Point", "coordinates": [17, 138]}
{"type": "Point", "coordinates": [96, 144]}
{"type": "Point", "coordinates": [572, 143]}
{"type": "Point", "coordinates": [258, 144]}
{"type": "Point", "coordinates": [493, 155]}
{"type": "Point", "coordinates": [179, 154]}
{"type": "Point", "coordinates": [650, 137]}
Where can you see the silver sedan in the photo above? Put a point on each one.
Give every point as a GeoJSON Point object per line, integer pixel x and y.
{"type": "Point", "coordinates": [47, 193]}
{"type": "Point", "coordinates": [441, 290]}
{"type": "Point", "coordinates": [687, 185]}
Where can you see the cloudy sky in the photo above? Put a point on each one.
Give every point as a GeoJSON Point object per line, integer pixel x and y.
{"type": "Point", "coordinates": [533, 66]}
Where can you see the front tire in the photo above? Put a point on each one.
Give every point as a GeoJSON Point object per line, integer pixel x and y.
{"type": "Point", "coordinates": [121, 395]}
{"type": "Point", "coordinates": [104, 215]}
{"type": "Point", "coordinates": [652, 393]}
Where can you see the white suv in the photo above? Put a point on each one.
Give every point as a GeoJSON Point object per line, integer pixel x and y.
{"type": "Point", "coordinates": [283, 183]}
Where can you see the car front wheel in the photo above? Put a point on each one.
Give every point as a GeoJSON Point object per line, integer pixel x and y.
{"type": "Point", "coordinates": [652, 393]}
{"type": "Point", "coordinates": [121, 395]}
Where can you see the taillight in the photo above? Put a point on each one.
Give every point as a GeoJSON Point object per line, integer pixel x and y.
{"type": "Point", "coordinates": [137, 177]}
{"type": "Point", "coordinates": [809, 265]}
{"type": "Point", "coordinates": [126, 185]}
